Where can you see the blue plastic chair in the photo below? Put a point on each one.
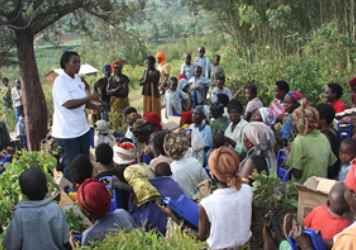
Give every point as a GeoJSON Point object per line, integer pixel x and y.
{"type": "Point", "coordinates": [115, 203]}
{"type": "Point", "coordinates": [185, 209]}
{"type": "Point", "coordinates": [167, 187]}
{"type": "Point", "coordinates": [316, 240]}
{"type": "Point", "coordinates": [282, 172]}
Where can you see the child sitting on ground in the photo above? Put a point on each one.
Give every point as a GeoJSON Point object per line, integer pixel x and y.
{"type": "Point", "coordinates": [237, 124]}
{"type": "Point", "coordinates": [94, 201]}
{"type": "Point", "coordinates": [174, 98]}
{"type": "Point", "coordinates": [131, 115]}
{"type": "Point", "coordinates": [220, 90]}
{"type": "Point", "coordinates": [111, 174]}
{"type": "Point", "coordinates": [328, 219]}
{"type": "Point", "coordinates": [219, 122]}
{"type": "Point", "coordinates": [81, 168]}
{"type": "Point", "coordinates": [162, 169]}
{"type": "Point", "coordinates": [37, 223]}
{"type": "Point", "coordinates": [346, 154]}
{"type": "Point", "coordinates": [225, 215]}
{"type": "Point", "coordinates": [201, 135]}
{"type": "Point", "coordinates": [254, 102]}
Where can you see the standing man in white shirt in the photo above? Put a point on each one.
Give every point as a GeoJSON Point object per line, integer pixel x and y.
{"type": "Point", "coordinates": [70, 125]}
{"type": "Point", "coordinates": [16, 95]}
{"type": "Point", "coordinates": [203, 62]}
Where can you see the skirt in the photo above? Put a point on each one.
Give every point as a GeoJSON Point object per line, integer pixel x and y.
{"type": "Point", "coordinates": [152, 104]}
{"type": "Point", "coordinates": [116, 116]}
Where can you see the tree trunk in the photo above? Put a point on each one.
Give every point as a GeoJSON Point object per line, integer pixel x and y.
{"type": "Point", "coordinates": [33, 98]}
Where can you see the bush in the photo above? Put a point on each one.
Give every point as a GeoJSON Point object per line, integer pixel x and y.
{"type": "Point", "coordinates": [9, 187]}
{"type": "Point", "coordinates": [138, 240]}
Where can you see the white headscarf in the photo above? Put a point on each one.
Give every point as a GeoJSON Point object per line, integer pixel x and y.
{"type": "Point", "coordinates": [267, 116]}
{"type": "Point", "coordinates": [263, 139]}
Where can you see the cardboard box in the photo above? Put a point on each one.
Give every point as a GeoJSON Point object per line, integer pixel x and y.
{"type": "Point", "coordinates": [313, 193]}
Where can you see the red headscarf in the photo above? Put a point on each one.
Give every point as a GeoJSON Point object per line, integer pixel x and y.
{"type": "Point", "coordinates": [94, 198]}
{"type": "Point", "coordinates": [182, 77]}
{"type": "Point", "coordinates": [153, 118]}
{"type": "Point", "coordinates": [186, 118]}
{"type": "Point", "coordinates": [350, 181]}
{"type": "Point", "coordinates": [161, 57]}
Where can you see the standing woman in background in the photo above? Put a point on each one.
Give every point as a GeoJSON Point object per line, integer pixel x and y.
{"type": "Point", "coordinates": [118, 91]}
{"type": "Point", "coordinates": [70, 125]}
{"type": "Point", "coordinates": [164, 69]}
{"type": "Point", "coordinates": [150, 89]}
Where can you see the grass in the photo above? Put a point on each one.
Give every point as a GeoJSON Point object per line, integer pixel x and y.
{"type": "Point", "coordinates": [138, 240]}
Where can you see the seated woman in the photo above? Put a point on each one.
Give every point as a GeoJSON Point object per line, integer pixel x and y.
{"type": "Point", "coordinates": [225, 216]}
{"type": "Point", "coordinates": [186, 170]}
{"type": "Point", "coordinates": [156, 147]}
{"type": "Point", "coordinates": [259, 141]}
{"type": "Point", "coordinates": [143, 203]}
{"type": "Point", "coordinates": [94, 201]}
{"type": "Point", "coordinates": [291, 103]}
{"type": "Point", "coordinates": [311, 153]}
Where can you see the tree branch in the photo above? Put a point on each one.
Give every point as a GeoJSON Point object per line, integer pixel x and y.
{"type": "Point", "coordinates": [53, 14]}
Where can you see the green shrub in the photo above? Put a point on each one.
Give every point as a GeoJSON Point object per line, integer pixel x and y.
{"type": "Point", "coordinates": [138, 240]}
{"type": "Point", "coordinates": [9, 187]}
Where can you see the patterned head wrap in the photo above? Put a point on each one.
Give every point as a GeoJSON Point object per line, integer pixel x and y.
{"type": "Point", "coordinates": [161, 57]}
{"type": "Point", "coordinates": [176, 145]}
{"type": "Point", "coordinates": [306, 118]}
{"type": "Point", "coordinates": [263, 139]}
{"type": "Point", "coordinates": [295, 95]}
{"type": "Point", "coordinates": [94, 198]}
{"type": "Point", "coordinates": [224, 165]}
{"type": "Point", "coordinates": [268, 116]}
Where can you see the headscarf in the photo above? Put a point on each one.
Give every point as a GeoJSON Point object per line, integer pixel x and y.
{"type": "Point", "coordinates": [350, 181]}
{"type": "Point", "coordinates": [137, 176]}
{"type": "Point", "coordinates": [94, 198]}
{"type": "Point", "coordinates": [268, 116]}
{"type": "Point", "coordinates": [306, 118]}
{"type": "Point", "coordinates": [161, 57]}
{"type": "Point", "coordinates": [124, 153]}
{"type": "Point", "coordinates": [224, 165]}
{"type": "Point", "coordinates": [263, 140]}
{"type": "Point", "coordinates": [153, 118]}
{"type": "Point", "coordinates": [176, 145]}
{"type": "Point", "coordinates": [186, 118]}
{"type": "Point", "coordinates": [295, 95]}
{"type": "Point", "coordinates": [117, 63]}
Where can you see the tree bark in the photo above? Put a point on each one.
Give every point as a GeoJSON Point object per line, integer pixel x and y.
{"type": "Point", "coordinates": [33, 99]}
